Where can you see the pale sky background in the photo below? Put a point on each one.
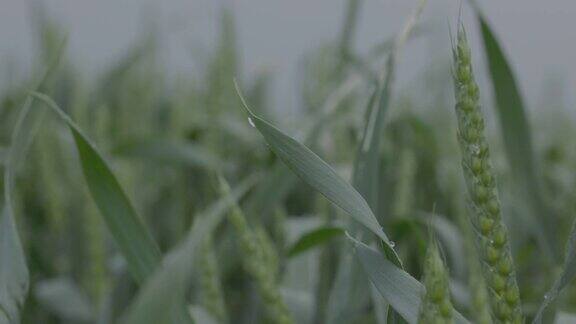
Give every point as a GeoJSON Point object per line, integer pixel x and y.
{"type": "Point", "coordinates": [538, 36]}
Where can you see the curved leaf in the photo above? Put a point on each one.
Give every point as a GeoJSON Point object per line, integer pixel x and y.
{"type": "Point", "coordinates": [278, 184]}
{"type": "Point", "coordinates": [129, 232]}
{"type": "Point", "coordinates": [318, 174]}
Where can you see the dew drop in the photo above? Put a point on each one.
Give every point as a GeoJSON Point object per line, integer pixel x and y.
{"type": "Point", "coordinates": [546, 297]}
{"type": "Point", "coordinates": [251, 122]}
{"type": "Point", "coordinates": [475, 149]}
{"type": "Point", "coordinates": [392, 244]}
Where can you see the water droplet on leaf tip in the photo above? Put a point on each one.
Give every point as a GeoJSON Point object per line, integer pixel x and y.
{"type": "Point", "coordinates": [475, 149]}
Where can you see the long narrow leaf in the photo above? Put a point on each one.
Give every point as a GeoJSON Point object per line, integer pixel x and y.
{"type": "Point", "coordinates": [129, 232]}
{"type": "Point", "coordinates": [131, 235]}
{"type": "Point", "coordinates": [318, 174]}
{"type": "Point", "coordinates": [278, 184]}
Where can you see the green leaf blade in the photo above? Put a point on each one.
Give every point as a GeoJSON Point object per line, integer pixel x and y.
{"type": "Point", "coordinates": [318, 174]}
{"type": "Point", "coordinates": [131, 235]}
{"type": "Point", "coordinates": [127, 228]}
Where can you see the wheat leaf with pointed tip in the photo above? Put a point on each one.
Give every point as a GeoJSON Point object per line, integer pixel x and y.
{"type": "Point", "coordinates": [281, 180]}
{"type": "Point", "coordinates": [128, 230]}
{"type": "Point", "coordinates": [318, 174]}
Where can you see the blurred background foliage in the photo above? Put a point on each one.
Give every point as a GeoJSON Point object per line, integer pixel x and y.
{"type": "Point", "coordinates": [166, 138]}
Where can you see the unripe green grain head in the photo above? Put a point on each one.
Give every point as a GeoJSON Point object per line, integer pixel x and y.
{"type": "Point", "coordinates": [491, 234]}
{"type": "Point", "coordinates": [436, 306]}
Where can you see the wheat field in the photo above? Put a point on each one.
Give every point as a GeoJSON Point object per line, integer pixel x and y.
{"type": "Point", "coordinates": [132, 197]}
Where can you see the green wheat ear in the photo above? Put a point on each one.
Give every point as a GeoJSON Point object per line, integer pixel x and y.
{"type": "Point", "coordinates": [436, 306]}
{"type": "Point", "coordinates": [256, 260]}
{"type": "Point", "coordinates": [211, 286]}
{"type": "Point", "coordinates": [479, 303]}
{"type": "Point", "coordinates": [491, 233]}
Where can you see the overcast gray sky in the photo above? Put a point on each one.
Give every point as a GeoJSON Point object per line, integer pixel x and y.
{"type": "Point", "coordinates": [539, 36]}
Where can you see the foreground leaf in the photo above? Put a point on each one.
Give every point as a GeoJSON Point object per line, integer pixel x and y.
{"type": "Point", "coordinates": [318, 174]}
{"type": "Point", "coordinates": [275, 187]}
